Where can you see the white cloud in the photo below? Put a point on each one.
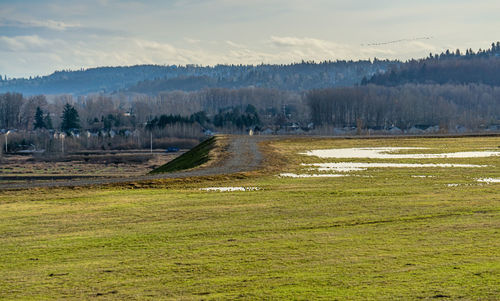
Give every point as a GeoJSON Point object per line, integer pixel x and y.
{"type": "Point", "coordinates": [312, 48]}
{"type": "Point", "coordinates": [318, 50]}
{"type": "Point", "coordinates": [192, 41]}
{"type": "Point", "coordinates": [152, 46]}
{"type": "Point", "coordinates": [235, 45]}
{"type": "Point", "coordinates": [50, 24]}
{"type": "Point", "coordinates": [294, 42]}
{"type": "Point", "coordinates": [56, 25]}
{"type": "Point", "coordinates": [24, 44]}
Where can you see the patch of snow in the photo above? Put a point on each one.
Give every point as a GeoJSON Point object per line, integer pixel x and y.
{"type": "Point", "coordinates": [422, 176]}
{"type": "Point", "coordinates": [293, 175]}
{"type": "Point", "coordinates": [452, 185]}
{"type": "Point", "coordinates": [388, 153]}
{"type": "Point", "coordinates": [489, 180]}
{"type": "Point", "coordinates": [340, 169]}
{"type": "Point", "coordinates": [348, 166]}
{"type": "Point", "coordinates": [224, 189]}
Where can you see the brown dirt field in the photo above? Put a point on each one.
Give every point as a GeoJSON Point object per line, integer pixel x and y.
{"type": "Point", "coordinates": [81, 165]}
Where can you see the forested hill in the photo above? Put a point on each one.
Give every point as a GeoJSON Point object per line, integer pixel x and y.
{"type": "Point", "coordinates": [482, 67]}
{"type": "Point", "coordinates": [155, 78]}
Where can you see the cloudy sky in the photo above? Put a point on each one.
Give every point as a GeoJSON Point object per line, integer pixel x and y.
{"type": "Point", "coordinates": [40, 36]}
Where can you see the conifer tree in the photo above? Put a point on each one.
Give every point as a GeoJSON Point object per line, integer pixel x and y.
{"type": "Point", "coordinates": [70, 119]}
{"type": "Point", "coordinates": [39, 120]}
{"type": "Point", "coordinates": [48, 121]}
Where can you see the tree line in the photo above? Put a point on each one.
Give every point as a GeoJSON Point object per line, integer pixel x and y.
{"type": "Point", "coordinates": [473, 106]}
{"type": "Point", "coordinates": [32, 113]}
{"type": "Point", "coordinates": [215, 109]}
{"type": "Point", "coordinates": [228, 110]}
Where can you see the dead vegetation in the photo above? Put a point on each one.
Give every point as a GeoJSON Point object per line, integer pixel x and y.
{"type": "Point", "coordinates": [95, 164]}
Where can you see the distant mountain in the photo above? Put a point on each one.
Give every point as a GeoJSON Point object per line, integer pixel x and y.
{"type": "Point", "coordinates": [152, 79]}
{"type": "Point", "coordinates": [482, 67]}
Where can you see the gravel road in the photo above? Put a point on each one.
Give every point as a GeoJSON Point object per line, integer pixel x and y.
{"type": "Point", "coordinates": [243, 155]}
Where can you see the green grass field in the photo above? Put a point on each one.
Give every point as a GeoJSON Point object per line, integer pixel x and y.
{"type": "Point", "coordinates": [383, 235]}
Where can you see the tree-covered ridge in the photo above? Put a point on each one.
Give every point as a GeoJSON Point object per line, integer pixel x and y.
{"type": "Point", "coordinates": [481, 67]}
{"type": "Point", "coordinates": [155, 78]}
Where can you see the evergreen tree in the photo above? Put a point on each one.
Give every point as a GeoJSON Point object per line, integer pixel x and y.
{"type": "Point", "coordinates": [364, 81]}
{"type": "Point", "coordinates": [39, 120]}
{"type": "Point", "coordinates": [250, 109]}
{"type": "Point", "coordinates": [70, 119]}
{"type": "Point", "coordinates": [48, 122]}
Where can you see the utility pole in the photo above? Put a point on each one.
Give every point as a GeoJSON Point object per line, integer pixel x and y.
{"type": "Point", "coordinates": [151, 144]}
{"type": "Point", "coordinates": [62, 135]}
{"type": "Point", "coordinates": [6, 134]}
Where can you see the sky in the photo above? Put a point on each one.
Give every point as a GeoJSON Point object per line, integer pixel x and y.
{"type": "Point", "coordinates": [38, 37]}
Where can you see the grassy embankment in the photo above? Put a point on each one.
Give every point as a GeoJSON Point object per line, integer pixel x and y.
{"type": "Point", "coordinates": [197, 156]}
{"type": "Point", "coordinates": [380, 235]}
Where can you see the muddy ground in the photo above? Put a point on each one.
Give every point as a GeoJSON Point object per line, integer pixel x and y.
{"type": "Point", "coordinates": [92, 164]}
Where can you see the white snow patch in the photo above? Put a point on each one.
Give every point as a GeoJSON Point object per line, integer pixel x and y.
{"type": "Point", "coordinates": [388, 153]}
{"type": "Point", "coordinates": [224, 189]}
{"type": "Point", "coordinates": [352, 166]}
{"type": "Point", "coordinates": [489, 180]}
{"type": "Point", "coordinates": [332, 170]}
{"type": "Point", "coordinates": [340, 169]}
{"type": "Point", "coordinates": [293, 175]}
{"type": "Point", "coordinates": [452, 185]}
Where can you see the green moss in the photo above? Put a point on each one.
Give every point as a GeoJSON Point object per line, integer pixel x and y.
{"type": "Point", "coordinates": [197, 156]}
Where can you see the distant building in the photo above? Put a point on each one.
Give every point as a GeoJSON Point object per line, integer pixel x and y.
{"type": "Point", "coordinates": [415, 131]}
{"type": "Point", "coordinates": [395, 131]}
{"type": "Point", "coordinates": [267, 131]}
{"type": "Point", "coordinates": [208, 132]}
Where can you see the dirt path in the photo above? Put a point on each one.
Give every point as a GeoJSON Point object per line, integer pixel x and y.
{"type": "Point", "coordinates": [243, 155]}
